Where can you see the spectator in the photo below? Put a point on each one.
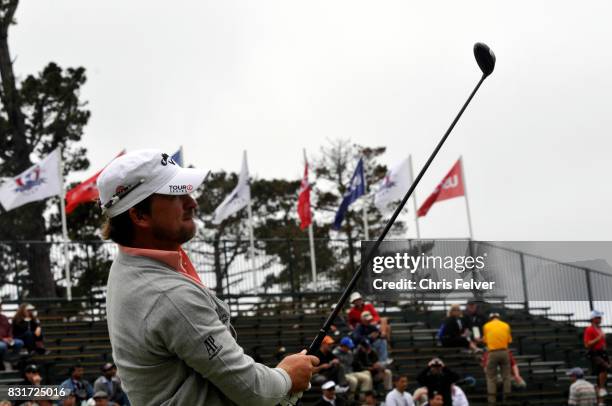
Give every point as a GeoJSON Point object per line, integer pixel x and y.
{"type": "Point", "coordinates": [517, 379]}
{"type": "Point", "coordinates": [329, 397]}
{"type": "Point", "coordinates": [595, 343]}
{"type": "Point", "coordinates": [473, 320]}
{"type": "Point", "coordinates": [111, 384]}
{"type": "Point", "coordinates": [497, 337]}
{"type": "Point", "coordinates": [26, 327]}
{"type": "Point", "coordinates": [438, 379]}
{"type": "Point", "coordinates": [340, 326]}
{"type": "Point", "coordinates": [369, 399]}
{"type": "Point", "coordinates": [6, 339]}
{"type": "Point", "coordinates": [436, 400]}
{"type": "Point", "coordinates": [454, 333]}
{"type": "Point", "coordinates": [100, 398]}
{"type": "Point", "coordinates": [398, 396]}
{"type": "Point", "coordinates": [366, 329]}
{"type": "Point", "coordinates": [581, 392]}
{"type": "Point", "coordinates": [329, 368]}
{"type": "Point", "coordinates": [457, 395]}
{"type": "Point", "coordinates": [31, 376]}
{"type": "Point", "coordinates": [366, 359]}
{"type": "Point", "coordinates": [359, 306]}
{"type": "Point", "coordinates": [70, 400]}
{"type": "Point", "coordinates": [76, 384]}
{"type": "Point", "coordinates": [361, 379]}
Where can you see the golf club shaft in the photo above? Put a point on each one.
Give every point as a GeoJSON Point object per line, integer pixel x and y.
{"type": "Point", "coordinates": [316, 343]}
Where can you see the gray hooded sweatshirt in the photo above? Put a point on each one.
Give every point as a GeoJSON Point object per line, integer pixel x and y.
{"type": "Point", "coordinates": [173, 343]}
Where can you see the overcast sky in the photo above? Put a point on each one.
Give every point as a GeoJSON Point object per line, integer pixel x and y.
{"type": "Point", "coordinates": [273, 77]}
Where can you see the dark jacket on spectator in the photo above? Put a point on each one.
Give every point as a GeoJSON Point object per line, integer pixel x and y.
{"type": "Point", "coordinates": [474, 320]}
{"type": "Point", "coordinates": [440, 383]}
{"type": "Point", "coordinates": [337, 402]}
{"type": "Point", "coordinates": [326, 358]}
{"type": "Point", "coordinates": [363, 331]}
{"type": "Point", "coordinates": [20, 328]}
{"type": "Point", "coordinates": [363, 361]}
{"type": "Point", "coordinates": [453, 327]}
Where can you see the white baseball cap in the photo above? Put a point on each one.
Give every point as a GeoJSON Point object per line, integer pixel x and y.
{"type": "Point", "coordinates": [328, 385]}
{"type": "Point", "coordinates": [136, 175]}
{"type": "Point", "coordinates": [355, 296]}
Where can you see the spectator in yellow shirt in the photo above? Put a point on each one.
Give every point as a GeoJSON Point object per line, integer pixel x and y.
{"type": "Point", "coordinates": [497, 337]}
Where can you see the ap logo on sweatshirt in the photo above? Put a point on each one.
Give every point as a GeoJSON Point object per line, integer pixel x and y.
{"type": "Point", "coordinates": [212, 347]}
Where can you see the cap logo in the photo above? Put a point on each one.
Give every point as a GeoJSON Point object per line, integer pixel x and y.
{"type": "Point", "coordinates": [180, 188]}
{"type": "Point", "coordinates": [167, 159]}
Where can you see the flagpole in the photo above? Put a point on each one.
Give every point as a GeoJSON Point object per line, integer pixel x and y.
{"type": "Point", "coordinates": [251, 239]}
{"type": "Point", "coordinates": [414, 203]}
{"type": "Point", "coordinates": [65, 229]}
{"type": "Point", "coordinates": [365, 200]}
{"type": "Point", "coordinates": [467, 205]}
{"type": "Point", "coordinates": [313, 260]}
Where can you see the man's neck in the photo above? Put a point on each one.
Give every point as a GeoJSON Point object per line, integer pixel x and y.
{"type": "Point", "coordinates": [154, 244]}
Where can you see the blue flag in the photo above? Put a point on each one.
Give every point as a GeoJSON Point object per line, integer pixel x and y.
{"type": "Point", "coordinates": [178, 157]}
{"type": "Point", "coordinates": [355, 189]}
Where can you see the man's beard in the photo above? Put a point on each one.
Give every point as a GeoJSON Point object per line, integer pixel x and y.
{"type": "Point", "coordinates": [180, 237]}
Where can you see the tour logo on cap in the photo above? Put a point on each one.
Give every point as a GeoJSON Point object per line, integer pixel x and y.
{"type": "Point", "coordinates": [180, 188]}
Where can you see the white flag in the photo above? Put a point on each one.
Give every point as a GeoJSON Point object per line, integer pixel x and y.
{"type": "Point", "coordinates": [238, 199]}
{"type": "Point", "coordinates": [39, 182]}
{"type": "Point", "coordinates": [394, 186]}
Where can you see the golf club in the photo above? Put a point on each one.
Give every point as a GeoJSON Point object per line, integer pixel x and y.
{"type": "Point", "coordinates": [486, 61]}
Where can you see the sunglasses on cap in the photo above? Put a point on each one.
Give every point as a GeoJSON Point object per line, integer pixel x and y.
{"type": "Point", "coordinates": [120, 195]}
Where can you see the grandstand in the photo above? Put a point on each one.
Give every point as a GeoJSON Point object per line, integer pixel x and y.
{"type": "Point", "coordinates": [545, 344]}
{"type": "Point", "coordinates": [547, 333]}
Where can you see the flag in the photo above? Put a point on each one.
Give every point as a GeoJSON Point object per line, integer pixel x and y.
{"type": "Point", "coordinates": [39, 182]}
{"type": "Point", "coordinates": [355, 189]}
{"type": "Point", "coordinates": [304, 201]}
{"type": "Point", "coordinates": [84, 192]}
{"type": "Point", "coordinates": [394, 185]}
{"type": "Point", "coordinates": [238, 199]}
{"type": "Point", "coordinates": [450, 187]}
{"type": "Point", "coordinates": [178, 157]}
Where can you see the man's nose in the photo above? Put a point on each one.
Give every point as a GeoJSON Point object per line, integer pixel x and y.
{"type": "Point", "coordinates": [189, 202]}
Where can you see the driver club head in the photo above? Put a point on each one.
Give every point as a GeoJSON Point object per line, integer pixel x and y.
{"type": "Point", "coordinates": [484, 57]}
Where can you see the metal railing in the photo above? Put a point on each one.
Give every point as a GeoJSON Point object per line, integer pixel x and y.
{"type": "Point", "coordinates": [282, 266]}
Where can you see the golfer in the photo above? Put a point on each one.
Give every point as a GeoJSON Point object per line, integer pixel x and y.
{"type": "Point", "coordinates": [171, 337]}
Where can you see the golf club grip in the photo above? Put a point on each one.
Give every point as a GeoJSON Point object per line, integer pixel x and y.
{"type": "Point", "coordinates": [316, 343]}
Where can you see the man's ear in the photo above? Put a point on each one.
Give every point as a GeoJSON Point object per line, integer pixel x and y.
{"type": "Point", "coordinates": [139, 218]}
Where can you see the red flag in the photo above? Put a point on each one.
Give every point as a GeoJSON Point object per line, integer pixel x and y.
{"type": "Point", "coordinates": [451, 186]}
{"type": "Point", "coordinates": [84, 192]}
{"type": "Point", "coordinates": [304, 201]}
